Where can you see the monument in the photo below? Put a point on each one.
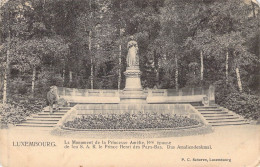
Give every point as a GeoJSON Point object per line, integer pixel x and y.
{"type": "Point", "coordinates": [133, 91]}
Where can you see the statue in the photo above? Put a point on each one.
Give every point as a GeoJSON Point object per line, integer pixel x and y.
{"type": "Point", "coordinates": [132, 57]}
{"type": "Point", "coordinates": [53, 98]}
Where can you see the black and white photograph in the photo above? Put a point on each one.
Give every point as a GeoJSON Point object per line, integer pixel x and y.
{"type": "Point", "coordinates": [129, 83]}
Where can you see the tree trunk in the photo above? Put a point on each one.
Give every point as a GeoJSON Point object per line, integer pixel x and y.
{"type": "Point", "coordinates": [157, 78]}
{"type": "Point", "coordinates": [239, 83]}
{"type": "Point", "coordinates": [201, 66]}
{"type": "Point", "coordinates": [91, 62]}
{"type": "Point", "coordinates": [176, 73]}
{"type": "Point", "coordinates": [6, 77]}
{"type": "Point", "coordinates": [119, 64]}
{"type": "Point", "coordinates": [90, 52]}
{"type": "Point", "coordinates": [92, 73]}
{"type": "Point", "coordinates": [70, 73]}
{"type": "Point", "coordinates": [156, 66]}
{"type": "Point", "coordinates": [5, 88]}
{"type": "Point", "coordinates": [120, 51]}
{"type": "Point", "coordinates": [227, 58]}
{"type": "Point", "coordinates": [1, 80]}
{"type": "Point", "coordinates": [63, 77]}
{"type": "Point", "coordinates": [6, 71]}
{"type": "Point", "coordinates": [259, 41]}
{"type": "Point", "coordinates": [33, 80]}
{"type": "Point", "coordinates": [239, 80]}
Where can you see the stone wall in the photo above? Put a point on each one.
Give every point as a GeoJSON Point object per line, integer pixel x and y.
{"type": "Point", "coordinates": [185, 95]}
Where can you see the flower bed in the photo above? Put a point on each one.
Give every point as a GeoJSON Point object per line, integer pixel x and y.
{"type": "Point", "coordinates": [131, 121]}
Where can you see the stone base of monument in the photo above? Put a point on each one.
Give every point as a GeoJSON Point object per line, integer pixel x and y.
{"type": "Point", "coordinates": [133, 92]}
{"type": "Point", "coordinates": [133, 97]}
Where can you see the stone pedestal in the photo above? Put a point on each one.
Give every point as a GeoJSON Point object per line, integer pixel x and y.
{"type": "Point", "coordinates": [133, 92]}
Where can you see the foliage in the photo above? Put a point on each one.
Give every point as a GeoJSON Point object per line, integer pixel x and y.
{"type": "Point", "coordinates": [47, 80]}
{"type": "Point", "coordinates": [11, 114]}
{"type": "Point", "coordinates": [53, 38]}
{"type": "Point", "coordinates": [166, 31]}
{"type": "Point", "coordinates": [131, 121]}
{"type": "Point", "coordinates": [243, 104]}
{"type": "Point", "coordinates": [31, 53]}
{"type": "Point", "coordinates": [222, 91]}
{"type": "Point", "coordinates": [19, 108]}
{"type": "Point", "coordinates": [18, 86]}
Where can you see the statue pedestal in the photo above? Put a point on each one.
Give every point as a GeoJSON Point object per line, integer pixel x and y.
{"type": "Point", "coordinates": [133, 92]}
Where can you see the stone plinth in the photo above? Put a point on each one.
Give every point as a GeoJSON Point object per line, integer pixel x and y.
{"type": "Point", "coordinates": [133, 92]}
{"type": "Point", "coordinates": [133, 81]}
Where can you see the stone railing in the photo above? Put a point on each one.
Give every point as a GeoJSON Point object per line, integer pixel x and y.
{"type": "Point", "coordinates": [150, 92]}
{"type": "Point", "coordinates": [109, 94]}
{"type": "Point", "coordinates": [62, 91]}
{"type": "Point", "coordinates": [180, 92]}
{"type": "Point", "coordinates": [183, 95]}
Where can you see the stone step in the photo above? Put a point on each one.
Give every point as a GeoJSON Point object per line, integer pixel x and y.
{"type": "Point", "coordinates": [221, 118]}
{"type": "Point", "coordinates": [53, 114]}
{"type": "Point", "coordinates": [209, 110]}
{"type": "Point", "coordinates": [35, 125]}
{"type": "Point", "coordinates": [42, 119]}
{"type": "Point", "coordinates": [45, 119]}
{"type": "Point", "coordinates": [121, 108]}
{"type": "Point", "coordinates": [65, 108]}
{"type": "Point", "coordinates": [218, 115]}
{"type": "Point", "coordinates": [47, 116]}
{"type": "Point", "coordinates": [226, 121]}
{"type": "Point", "coordinates": [215, 116]}
{"type": "Point", "coordinates": [229, 123]}
{"type": "Point", "coordinates": [29, 128]}
{"type": "Point", "coordinates": [212, 112]}
{"type": "Point", "coordinates": [206, 107]}
{"type": "Point", "coordinates": [40, 122]}
{"type": "Point", "coordinates": [60, 111]}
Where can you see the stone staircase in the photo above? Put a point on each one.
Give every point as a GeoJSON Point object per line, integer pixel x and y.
{"type": "Point", "coordinates": [219, 116]}
{"type": "Point", "coordinates": [44, 119]}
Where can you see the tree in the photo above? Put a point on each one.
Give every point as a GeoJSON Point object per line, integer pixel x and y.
{"type": "Point", "coordinates": [30, 54]}
{"type": "Point", "coordinates": [29, 39]}
{"type": "Point", "coordinates": [220, 29]}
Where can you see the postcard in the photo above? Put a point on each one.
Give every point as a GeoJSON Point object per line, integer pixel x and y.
{"type": "Point", "coordinates": [129, 83]}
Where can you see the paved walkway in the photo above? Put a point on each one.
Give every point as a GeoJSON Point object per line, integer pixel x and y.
{"type": "Point", "coordinates": [239, 144]}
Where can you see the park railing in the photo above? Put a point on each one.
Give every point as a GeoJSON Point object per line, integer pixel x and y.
{"type": "Point", "coordinates": [62, 91]}
{"type": "Point", "coordinates": [150, 92]}
{"type": "Point", "coordinates": [180, 92]}
{"type": "Point", "coordinates": [153, 95]}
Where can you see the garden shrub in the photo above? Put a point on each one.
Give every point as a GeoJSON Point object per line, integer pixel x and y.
{"type": "Point", "coordinates": [243, 104]}
{"type": "Point", "coordinates": [20, 107]}
{"type": "Point", "coordinates": [18, 86]}
{"type": "Point", "coordinates": [11, 114]}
